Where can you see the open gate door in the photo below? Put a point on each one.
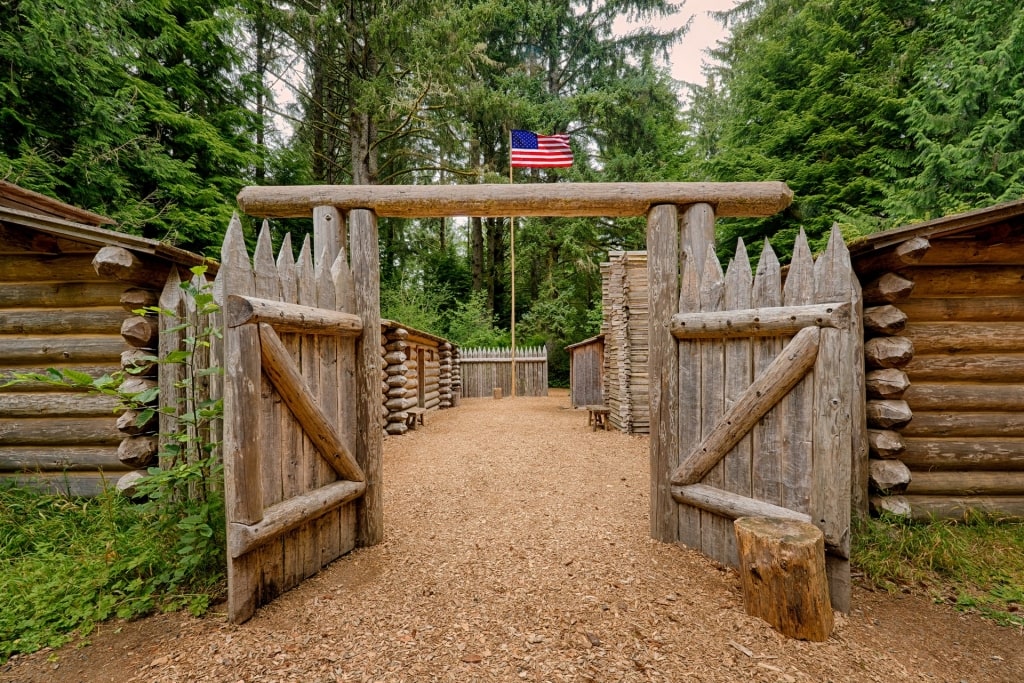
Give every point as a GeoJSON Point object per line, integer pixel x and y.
{"type": "Point", "coordinates": [758, 404]}
{"type": "Point", "coordinates": [297, 463]}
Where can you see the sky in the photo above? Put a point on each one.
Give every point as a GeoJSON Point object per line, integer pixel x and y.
{"type": "Point", "coordinates": [687, 56]}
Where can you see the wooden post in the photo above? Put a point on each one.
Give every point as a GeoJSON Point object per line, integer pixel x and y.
{"type": "Point", "coordinates": [366, 275]}
{"type": "Point", "coordinates": [663, 276]}
{"type": "Point", "coordinates": [782, 570]}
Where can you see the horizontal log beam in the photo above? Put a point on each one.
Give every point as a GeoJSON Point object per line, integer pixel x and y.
{"type": "Point", "coordinates": [788, 368]}
{"type": "Point", "coordinates": [966, 367]}
{"type": "Point", "coordinates": [62, 349]}
{"type": "Point", "coordinates": [286, 378]}
{"type": "Point", "coordinates": [61, 321]}
{"type": "Point", "coordinates": [949, 423]}
{"type": "Point", "coordinates": [551, 199]}
{"type": "Point", "coordinates": [59, 431]}
{"type": "Point", "coordinates": [59, 294]}
{"type": "Point", "coordinates": [956, 252]}
{"type": "Point", "coordinates": [976, 281]}
{"type": "Point", "coordinates": [289, 514]}
{"type": "Point", "coordinates": [965, 397]}
{"type": "Point", "coordinates": [286, 317]}
{"type": "Point", "coordinates": [70, 458]}
{"type": "Point", "coordinates": [68, 267]}
{"type": "Point", "coordinates": [120, 264]}
{"type": "Point", "coordinates": [925, 508]}
{"type": "Point", "coordinates": [57, 405]}
{"type": "Point", "coordinates": [731, 505]}
{"type": "Point", "coordinates": [65, 483]}
{"type": "Point", "coordinates": [955, 483]}
{"type": "Point", "coordinates": [952, 454]}
{"type": "Point", "coordinates": [758, 322]}
{"type": "Point", "coordinates": [970, 309]}
{"type": "Point", "coordinates": [31, 386]}
{"type": "Point", "coordinates": [968, 337]}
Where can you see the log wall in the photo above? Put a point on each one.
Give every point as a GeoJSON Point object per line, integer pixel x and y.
{"type": "Point", "coordinates": [57, 311]}
{"type": "Point", "coordinates": [945, 360]}
{"type": "Point", "coordinates": [625, 328]}
{"type": "Point", "coordinates": [417, 372]}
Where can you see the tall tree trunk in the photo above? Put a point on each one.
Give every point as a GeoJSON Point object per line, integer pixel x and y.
{"type": "Point", "coordinates": [495, 261]}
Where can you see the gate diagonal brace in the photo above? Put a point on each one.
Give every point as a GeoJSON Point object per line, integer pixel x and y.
{"type": "Point", "coordinates": [280, 368]}
{"type": "Point", "coordinates": [788, 368]}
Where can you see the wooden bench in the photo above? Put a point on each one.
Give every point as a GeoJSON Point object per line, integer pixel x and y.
{"type": "Point", "coordinates": [414, 415]}
{"type": "Point", "coordinates": [597, 416]}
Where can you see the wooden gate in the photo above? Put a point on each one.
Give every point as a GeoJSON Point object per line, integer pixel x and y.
{"type": "Point", "coordinates": [301, 421]}
{"type": "Point", "coordinates": [760, 391]}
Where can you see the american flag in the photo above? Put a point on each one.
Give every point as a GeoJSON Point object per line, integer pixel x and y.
{"type": "Point", "coordinates": [530, 150]}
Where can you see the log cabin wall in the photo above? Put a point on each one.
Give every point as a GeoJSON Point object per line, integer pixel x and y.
{"type": "Point", "coordinates": [418, 372]}
{"type": "Point", "coordinates": [944, 350]}
{"type": "Point", "coordinates": [624, 300]}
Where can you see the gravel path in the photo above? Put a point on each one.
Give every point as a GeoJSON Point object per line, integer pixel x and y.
{"type": "Point", "coordinates": [517, 549]}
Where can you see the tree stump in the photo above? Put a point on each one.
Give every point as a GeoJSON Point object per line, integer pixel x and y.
{"type": "Point", "coordinates": [782, 569]}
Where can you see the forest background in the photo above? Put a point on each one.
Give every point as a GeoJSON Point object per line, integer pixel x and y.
{"type": "Point", "coordinates": [156, 112]}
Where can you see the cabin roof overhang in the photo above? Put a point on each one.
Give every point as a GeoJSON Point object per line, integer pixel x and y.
{"type": "Point", "coordinates": [939, 227]}
{"type": "Point", "coordinates": [585, 342]}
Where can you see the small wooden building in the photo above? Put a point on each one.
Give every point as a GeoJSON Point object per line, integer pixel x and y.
{"type": "Point", "coordinates": [486, 369]}
{"type": "Point", "coordinates": [586, 372]}
{"type": "Point", "coordinates": [624, 300]}
{"type": "Point", "coordinates": [67, 288]}
{"type": "Point", "coordinates": [420, 372]}
{"type": "Point", "coordinates": [944, 350]}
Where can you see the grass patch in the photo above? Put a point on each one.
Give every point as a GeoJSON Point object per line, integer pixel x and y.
{"type": "Point", "coordinates": [975, 565]}
{"type": "Point", "coordinates": [68, 563]}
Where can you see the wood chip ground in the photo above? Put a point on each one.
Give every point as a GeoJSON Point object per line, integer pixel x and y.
{"type": "Point", "coordinates": [517, 549]}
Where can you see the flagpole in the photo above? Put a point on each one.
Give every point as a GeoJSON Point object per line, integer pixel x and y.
{"type": "Point", "coordinates": [512, 242]}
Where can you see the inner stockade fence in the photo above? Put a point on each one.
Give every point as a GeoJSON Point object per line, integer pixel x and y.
{"type": "Point", "coordinates": [484, 370]}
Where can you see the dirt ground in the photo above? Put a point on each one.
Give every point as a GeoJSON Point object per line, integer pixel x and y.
{"type": "Point", "coordinates": [517, 549]}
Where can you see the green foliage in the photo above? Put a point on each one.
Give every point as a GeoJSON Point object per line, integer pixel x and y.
{"type": "Point", "coordinates": [974, 565]}
{"type": "Point", "coordinates": [67, 563]}
{"type": "Point", "coordinates": [470, 325]}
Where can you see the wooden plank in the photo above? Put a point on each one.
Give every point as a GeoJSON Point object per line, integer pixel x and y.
{"type": "Point", "coordinates": [290, 457]}
{"type": "Point", "coordinates": [973, 281]}
{"type": "Point", "coordinates": [270, 556]}
{"type": "Point", "coordinates": [859, 503]}
{"type": "Point", "coordinates": [663, 271]}
{"type": "Point", "coordinates": [730, 505]}
{"type": "Point", "coordinates": [786, 370]}
{"type": "Point", "coordinates": [712, 402]}
{"type": "Point", "coordinates": [366, 275]}
{"type": "Point", "coordinates": [329, 532]}
{"type": "Point", "coordinates": [291, 514]}
{"type": "Point", "coordinates": [286, 317]}
{"type": "Point", "coordinates": [60, 294]}
{"type": "Point", "coordinates": [486, 200]}
{"type": "Point", "coordinates": [797, 407]}
{"type": "Point", "coordinates": [171, 338]}
{"type": "Point", "coordinates": [759, 322]}
{"type": "Point", "coordinates": [766, 483]}
{"type": "Point", "coordinates": [738, 462]}
{"type": "Point", "coordinates": [242, 480]}
{"type": "Point", "coordinates": [924, 508]}
{"type": "Point", "coordinates": [830, 492]}
{"type": "Point", "coordinates": [309, 352]}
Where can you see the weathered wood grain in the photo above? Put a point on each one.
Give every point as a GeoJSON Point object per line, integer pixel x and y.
{"type": "Point", "coordinates": [885, 443]}
{"type": "Point", "coordinates": [888, 352]}
{"type": "Point", "coordinates": [980, 453]}
{"type": "Point", "coordinates": [759, 322]}
{"type": "Point", "coordinates": [121, 264]}
{"type": "Point", "coordinates": [885, 320]}
{"type": "Point", "coordinates": [966, 337]}
{"type": "Point", "coordinates": [287, 317]}
{"type": "Point", "coordinates": [712, 405]}
{"type": "Point", "coordinates": [965, 397]}
{"type": "Point", "coordinates": [952, 422]}
{"type": "Point", "coordinates": [966, 483]}
{"type": "Point", "coordinates": [797, 406]}
{"type": "Point", "coordinates": [890, 288]}
{"type": "Point", "coordinates": [908, 253]}
{"type": "Point", "coordinates": [766, 484]}
{"type": "Point", "coordinates": [888, 476]}
{"type": "Point", "coordinates": [551, 199]}
{"type": "Point", "coordinates": [971, 309]}
{"type": "Point", "coordinates": [729, 505]}
{"type": "Point", "coordinates": [886, 383]}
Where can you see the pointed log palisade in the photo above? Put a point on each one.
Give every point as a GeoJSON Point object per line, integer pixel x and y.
{"type": "Point", "coordinates": [297, 474]}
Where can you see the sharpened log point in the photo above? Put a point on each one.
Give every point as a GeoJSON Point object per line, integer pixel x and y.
{"type": "Point", "coordinates": [782, 570]}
